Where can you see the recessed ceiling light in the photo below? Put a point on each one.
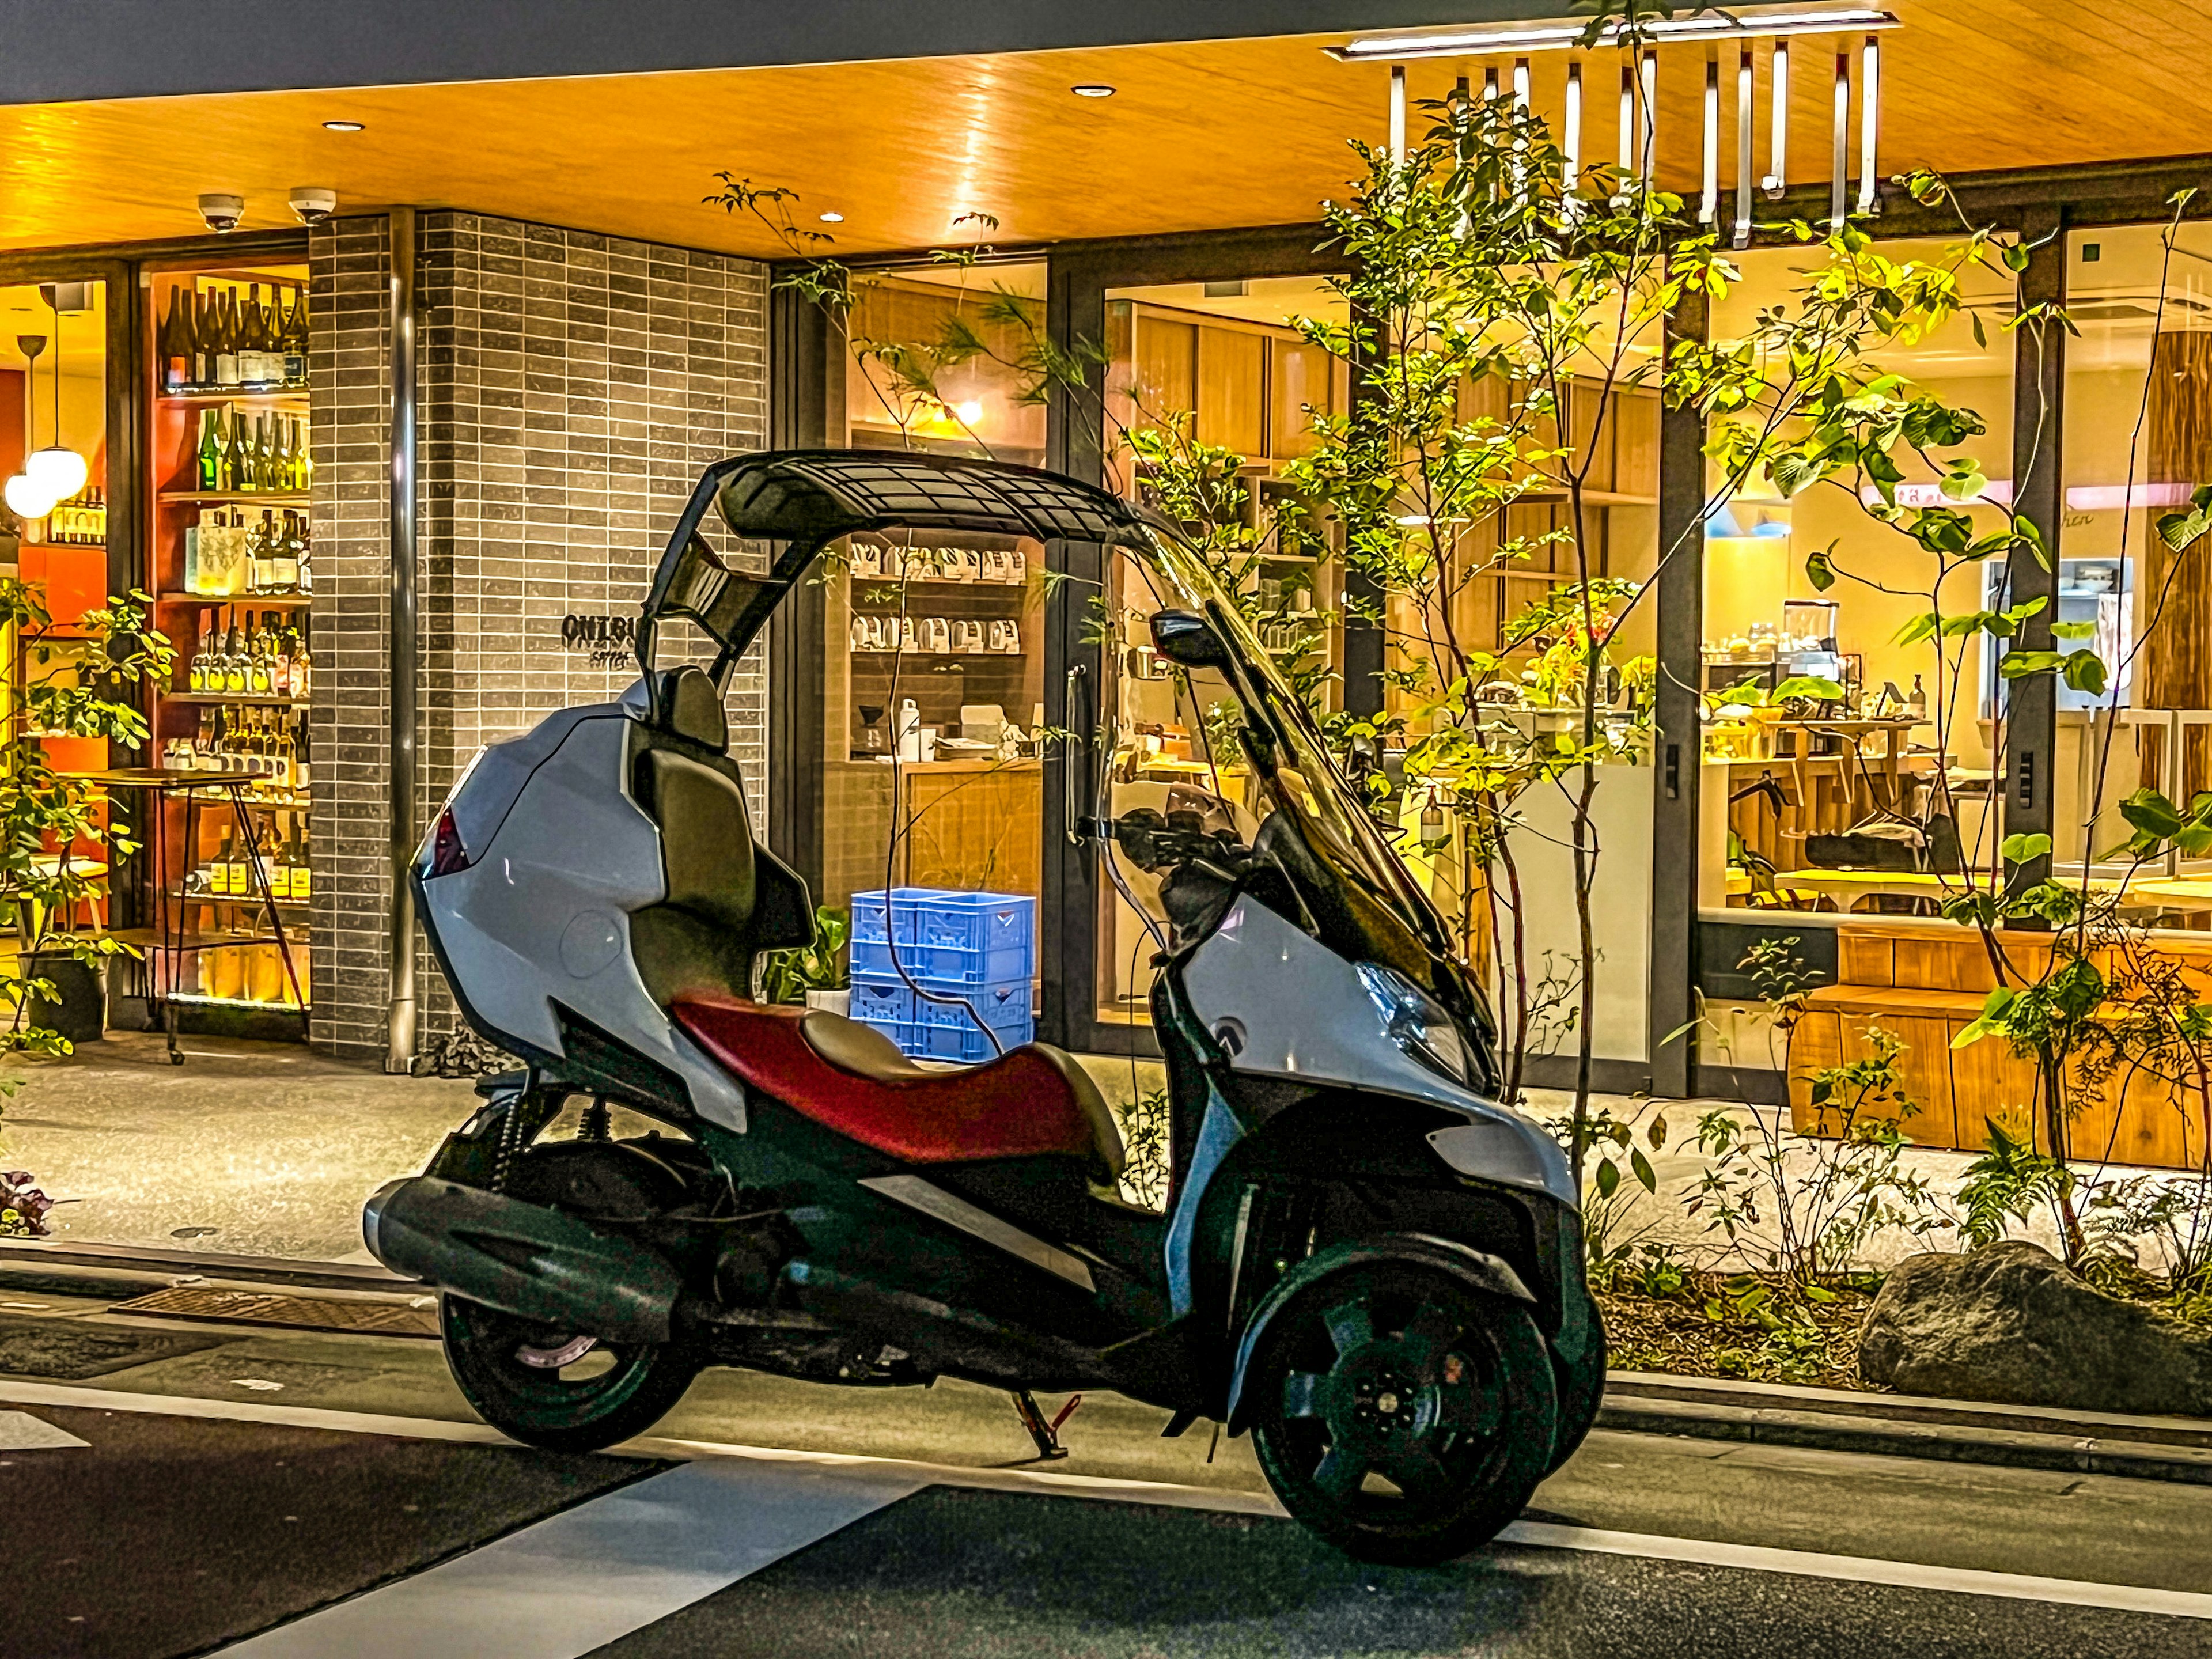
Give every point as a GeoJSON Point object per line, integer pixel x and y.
{"type": "Point", "coordinates": [1092, 89]}
{"type": "Point", "coordinates": [342, 126]}
{"type": "Point", "coordinates": [833, 218]}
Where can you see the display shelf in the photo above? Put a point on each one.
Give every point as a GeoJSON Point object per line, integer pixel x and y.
{"type": "Point", "coordinates": [252, 901]}
{"type": "Point", "coordinates": [251, 699]}
{"type": "Point", "coordinates": [271, 601]}
{"type": "Point", "coordinates": [233, 497]}
{"type": "Point", "coordinates": [201, 999]}
{"type": "Point", "coordinates": [297, 394]}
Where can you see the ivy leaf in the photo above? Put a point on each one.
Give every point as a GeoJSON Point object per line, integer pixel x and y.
{"type": "Point", "coordinates": [2073, 630]}
{"type": "Point", "coordinates": [2084, 671]}
{"type": "Point", "coordinates": [1990, 1020]}
{"type": "Point", "coordinates": [1819, 570]}
{"type": "Point", "coordinates": [2018, 849]}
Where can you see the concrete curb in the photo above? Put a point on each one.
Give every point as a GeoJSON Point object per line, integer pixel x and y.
{"type": "Point", "coordinates": [1891, 1425]}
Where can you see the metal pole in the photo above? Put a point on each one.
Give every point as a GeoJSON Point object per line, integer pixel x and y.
{"type": "Point", "coordinates": [400, 1052]}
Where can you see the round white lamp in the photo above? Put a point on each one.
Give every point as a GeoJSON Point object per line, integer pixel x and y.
{"type": "Point", "coordinates": [27, 498]}
{"type": "Point", "coordinates": [60, 472]}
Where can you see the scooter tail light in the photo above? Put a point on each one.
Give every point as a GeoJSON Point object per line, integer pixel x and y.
{"type": "Point", "coordinates": [448, 855]}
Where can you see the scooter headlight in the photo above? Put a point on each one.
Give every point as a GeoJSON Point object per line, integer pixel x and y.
{"type": "Point", "coordinates": [1413, 1020]}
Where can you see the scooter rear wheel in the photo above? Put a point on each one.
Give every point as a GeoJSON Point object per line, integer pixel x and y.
{"type": "Point", "coordinates": [581, 1405]}
{"type": "Point", "coordinates": [1402, 1415]}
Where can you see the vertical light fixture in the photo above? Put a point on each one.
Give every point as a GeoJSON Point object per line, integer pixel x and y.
{"type": "Point", "coordinates": [1650, 98]}
{"type": "Point", "coordinates": [1744, 117]}
{"type": "Point", "coordinates": [1398, 115]}
{"type": "Point", "coordinates": [58, 470]}
{"type": "Point", "coordinates": [1870, 124]}
{"type": "Point", "coordinates": [1570, 170]}
{"type": "Point", "coordinates": [1490, 79]}
{"type": "Point", "coordinates": [1708, 193]}
{"type": "Point", "coordinates": [1521, 80]}
{"type": "Point", "coordinates": [26, 496]}
{"type": "Point", "coordinates": [1627, 127]}
{"type": "Point", "coordinates": [1839, 157]}
{"type": "Point", "coordinates": [1777, 94]}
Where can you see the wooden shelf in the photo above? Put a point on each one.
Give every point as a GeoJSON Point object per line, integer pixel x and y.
{"type": "Point", "coordinates": [259, 702]}
{"type": "Point", "coordinates": [252, 901]}
{"type": "Point", "coordinates": [238, 497]}
{"type": "Point", "coordinates": [294, 394]}
{"type": "Point", "coordinates": [279, 601]}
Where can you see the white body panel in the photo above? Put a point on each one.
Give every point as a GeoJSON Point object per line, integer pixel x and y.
{"type": "Point", "coordinates": [1300, 1010]}
{"type": "Point", "coordinates": [542, 915]}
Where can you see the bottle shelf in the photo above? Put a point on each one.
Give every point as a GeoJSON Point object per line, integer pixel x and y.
{"type": "Point", "coordinates": [272, 601]}
{"type": "Point", "coordinates": [201, 999]}
{"type": "Point", "coordinates": [287, 803]}
{"type": "Point", "coordinates": [234, 497]}
{"type": "Point", "coordinates": [251, 699]}
{"type": "Point", "coordinates": [294, 394]}
{"type": "Point", "coordinates": [185, 896]}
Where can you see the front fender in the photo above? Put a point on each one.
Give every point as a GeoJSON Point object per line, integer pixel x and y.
{"type": "Point", "coordinates": [1478, 1268]}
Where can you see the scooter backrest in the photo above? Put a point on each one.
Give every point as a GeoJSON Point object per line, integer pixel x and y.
{"type": "Point", "coordinates": [691, 708]}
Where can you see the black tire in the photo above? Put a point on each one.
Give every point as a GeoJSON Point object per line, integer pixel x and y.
{"type": "Point", "coordinates": [541, 1407]}
{"type": "Point", "coordinates": [1407, 1373]}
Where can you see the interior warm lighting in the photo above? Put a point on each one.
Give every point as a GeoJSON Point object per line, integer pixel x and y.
{"type": "Point", "coordinates": [1566, 35]}
{"type": "Point", "coordinates": [969, 412]}
{"type": "Point", "coordinates": [60, 473]}
{"type": "Point", "coordinates": [1839, 161]}
{"type": "Point", "coordinates": [1092, 89]}
{"type": "Point", "coordinates": [343, 126]}
{"type": "Point", "coordinates": [1869, 121]}
{"type": "Point", "coordinates": [1708, 197]}
{"type": "Point", "coordinates": [833, 218]}
{"type": "Point", "coordinates": [25, 500]}
{"type": "Point", "coordinates": [1398, 115]}
{"type": "Point", "coordinates": [1571, 171]}
{"type": "Point", "coordinates": [1778, 176]}
{"type": "Point", "coordinates": [1746, 116]}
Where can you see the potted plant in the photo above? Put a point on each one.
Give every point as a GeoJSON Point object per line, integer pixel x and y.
{"type": "Point", "coordinates": [814, 973]}
{"type": "Point", "coordinates": [54, 824]}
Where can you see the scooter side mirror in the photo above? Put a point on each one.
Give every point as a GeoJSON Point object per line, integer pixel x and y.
{"type": "Point", "coordinates": [1188, 640]}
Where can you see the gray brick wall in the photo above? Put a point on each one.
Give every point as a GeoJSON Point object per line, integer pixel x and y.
{"type": "Point", "coordinates": [573, 388]}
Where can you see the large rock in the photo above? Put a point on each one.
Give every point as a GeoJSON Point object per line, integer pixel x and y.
{"type": "Point", "coordinates": [2011, 1322]}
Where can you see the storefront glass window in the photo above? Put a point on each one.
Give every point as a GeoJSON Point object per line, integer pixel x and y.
{"type": "Point", "coordinates": [1801, 779]}
{"type": "Point", "coordinates": [1210, 388]}
{"type": "Point", "coordinates": [2138, 429]}
{"type": "Point", "coordinates": [934, 694]}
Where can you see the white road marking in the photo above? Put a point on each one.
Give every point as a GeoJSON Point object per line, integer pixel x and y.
{"type": "Point", "coordinates": [1903, 1575]}
{"type": "Point", "coordinates": [1862, 1570]}
{"type": "Point", "coordinates": [20, 1432]}
{"type": "Point", "coordinates": [591, 1574]}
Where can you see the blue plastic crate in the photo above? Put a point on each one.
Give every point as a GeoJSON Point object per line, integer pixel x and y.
{"type": "Point", "coordinates": [944, 938]}
{"type": "Point", "coordinates": [877, 1003]}
{"type": "Point", "coordinates": [994, 1005]}
{"type": "Point", "coordinates": [967, 1043]}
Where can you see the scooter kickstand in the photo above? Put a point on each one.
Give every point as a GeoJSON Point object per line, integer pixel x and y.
{"type": "Point", "coordinates": [1045, 1434]}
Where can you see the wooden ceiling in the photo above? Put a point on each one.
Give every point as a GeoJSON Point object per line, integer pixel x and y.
{"type": "Point", "coordinates": [1198, 136]}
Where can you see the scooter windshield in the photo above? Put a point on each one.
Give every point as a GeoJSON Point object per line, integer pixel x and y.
{"type": "Point", "coordinates": [1303, 779]}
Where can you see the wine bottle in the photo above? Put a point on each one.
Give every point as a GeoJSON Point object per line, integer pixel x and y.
{"type": "Point", "coordinates": [233, 657]}
{"type": "Point", "coordinates": [256, 368]}
{"type": "Point", "coordinates": [238, 458]}
{"type": "Point", "coordinates": [203, 315]}
{"type": "Point", "coordinates": [303, 881]}
{"type": "Point", "coordinates": [208, 456]}
{"type": "Point", "coordinates": [284, 558]}
{"type": "Point", "coordinates": [177, 343]}
{"type": "Point", "coordinates": [195, 671]}
{"type": "Point", "coordinates": [226, 343]}
{"type": "Point", "coordinates": [260, 676]}
{"type": "Point", "coordinates": [295, 340]}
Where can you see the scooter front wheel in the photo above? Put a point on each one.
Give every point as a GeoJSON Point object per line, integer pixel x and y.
{"type": "Point", "coordinates": [1402, 1415]}
{"type": "Point", "coordinates": [559, 1389]}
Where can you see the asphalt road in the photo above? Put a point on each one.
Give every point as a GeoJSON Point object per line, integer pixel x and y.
{"type": "Point", "coordinates": [294, 1497]}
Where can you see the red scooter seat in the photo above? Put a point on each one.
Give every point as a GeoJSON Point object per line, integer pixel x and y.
{"type": "Point", "coordinates": [852, 1078]}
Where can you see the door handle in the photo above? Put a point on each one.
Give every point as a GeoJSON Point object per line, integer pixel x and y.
{"type": "Point", "coordinates": [1078, 753]}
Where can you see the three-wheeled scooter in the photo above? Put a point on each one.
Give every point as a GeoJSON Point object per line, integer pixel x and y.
{"type": "Point", "coordinates": [1363, 1259]}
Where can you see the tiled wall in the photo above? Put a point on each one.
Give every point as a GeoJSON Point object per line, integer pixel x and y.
{"type": "Point", "coordinates": [574, 386]}
{"type": "Point", "coordinates": [349, 408]}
